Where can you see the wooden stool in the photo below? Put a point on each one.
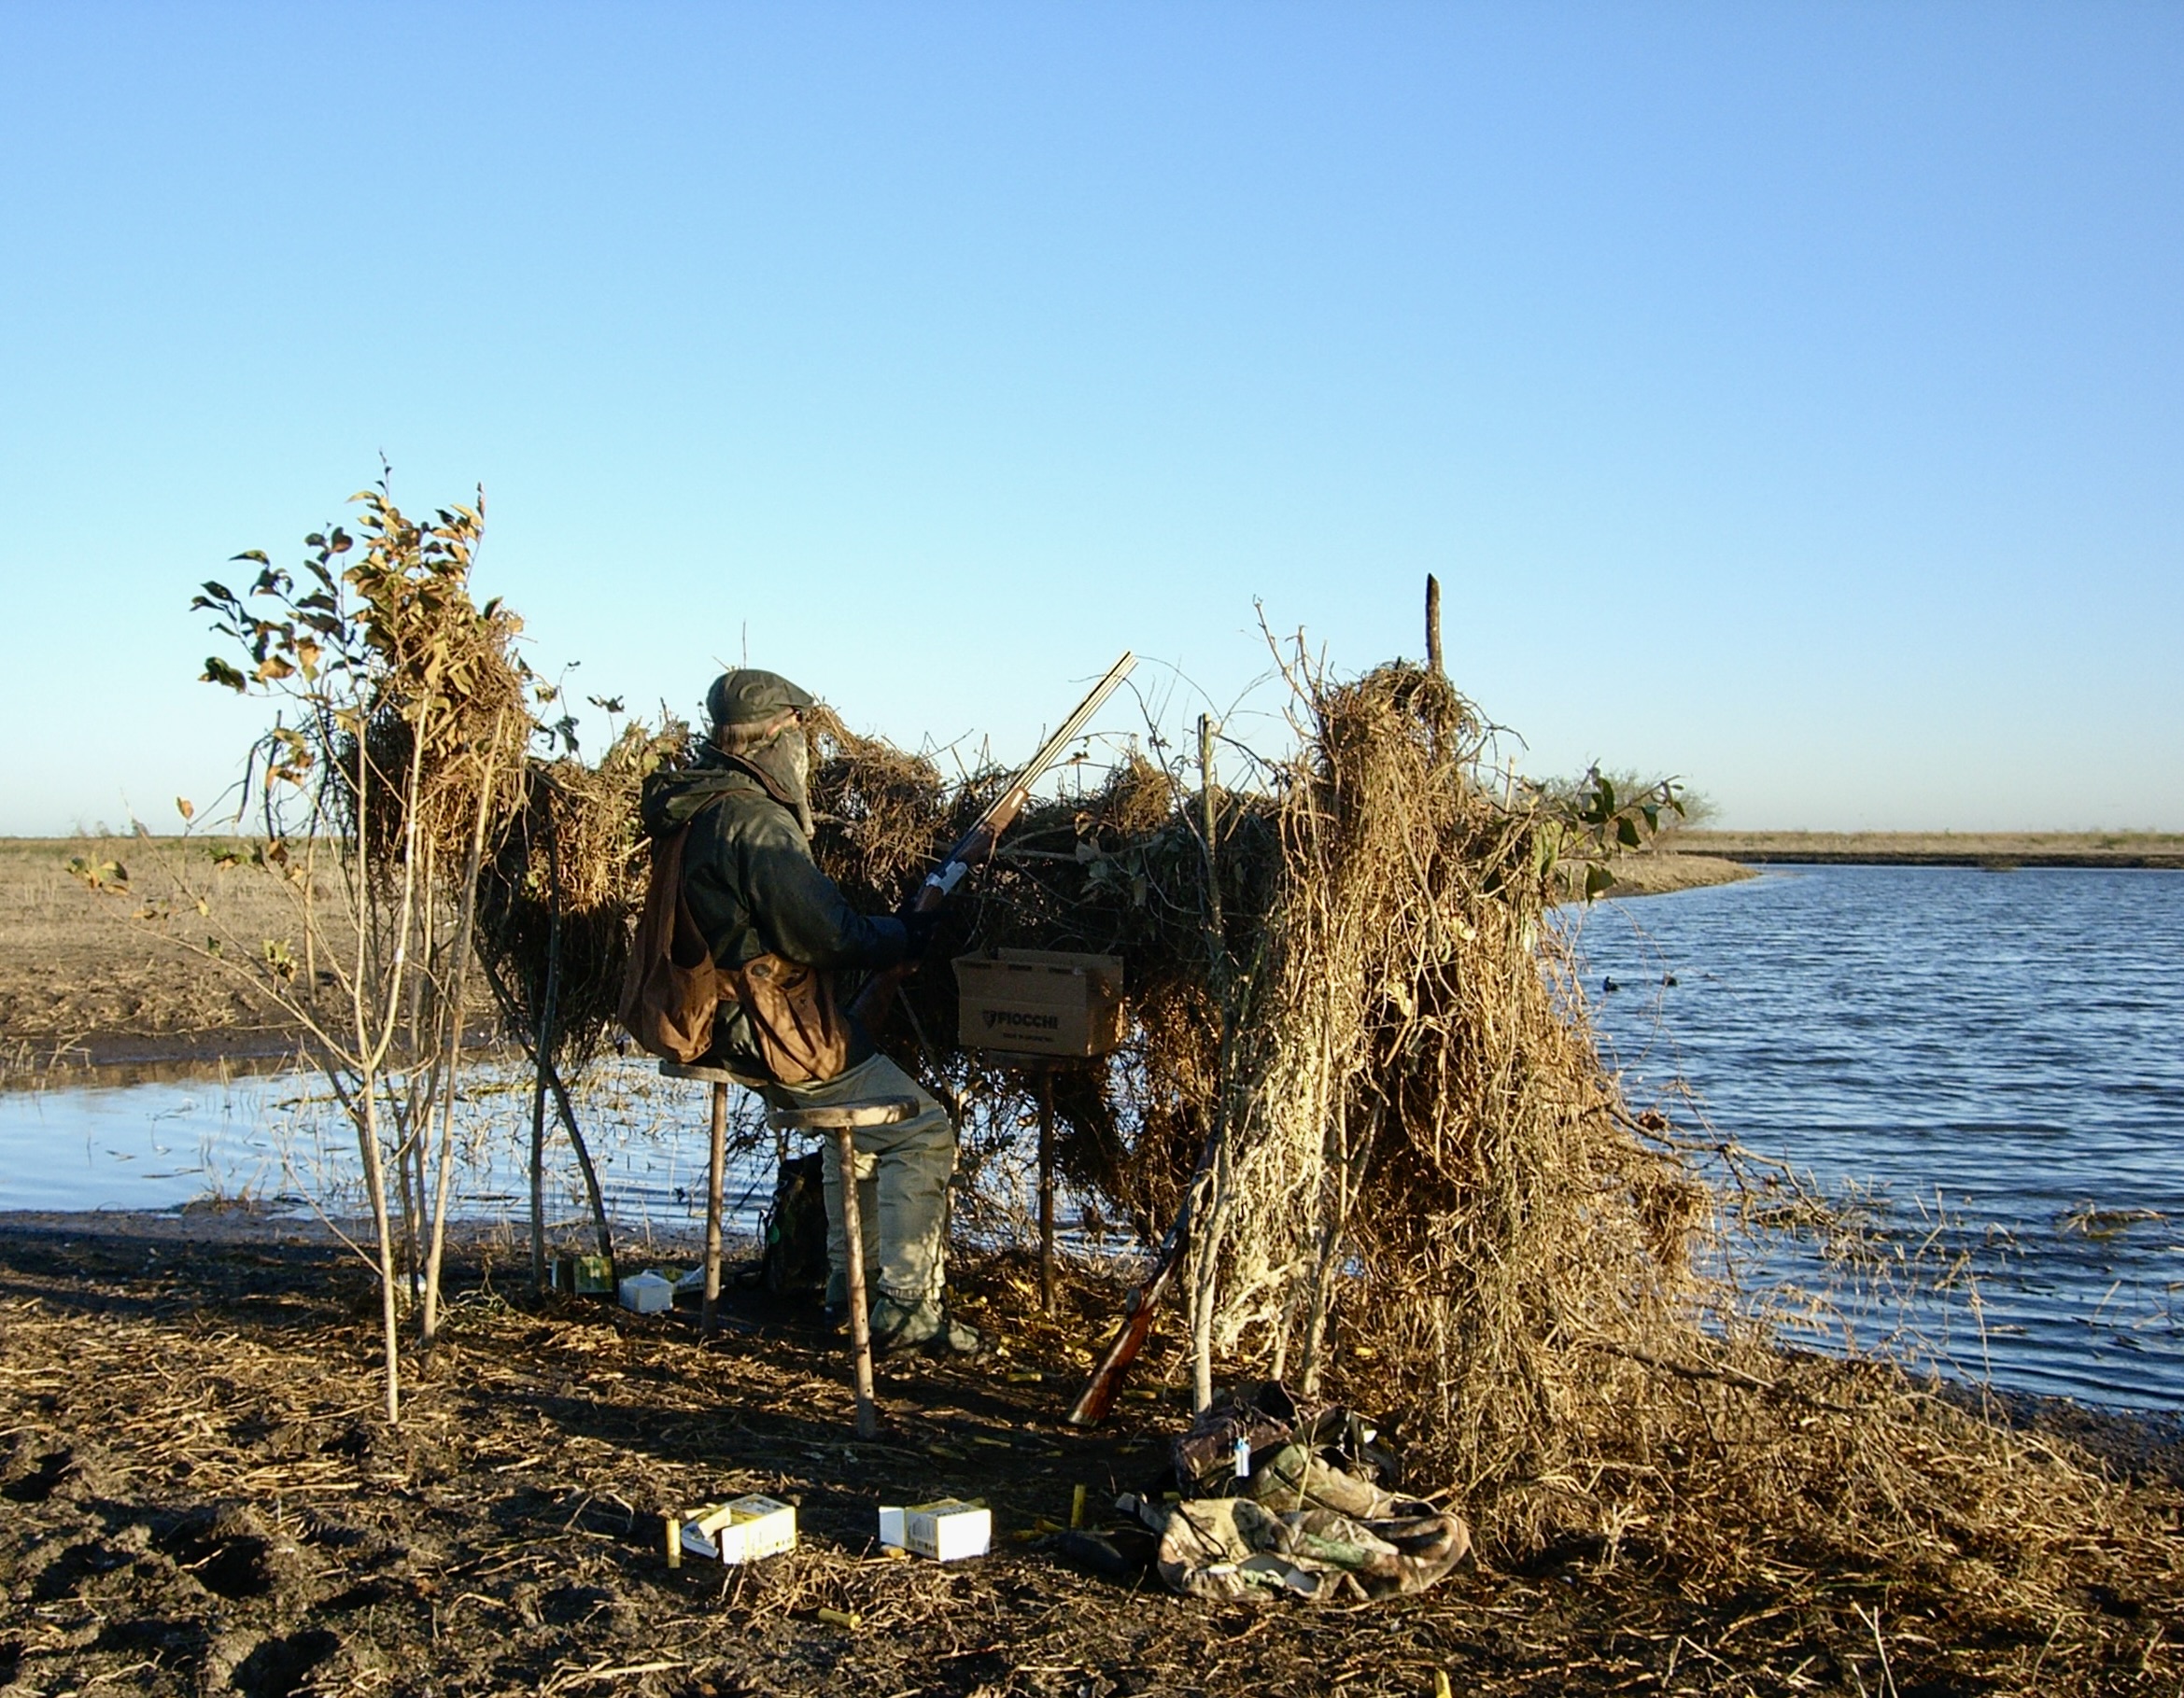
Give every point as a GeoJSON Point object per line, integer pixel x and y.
{"type": "Point", "coordinates": [843, 1119]}
{"type": "Point", "coordinates": [720, 1079]}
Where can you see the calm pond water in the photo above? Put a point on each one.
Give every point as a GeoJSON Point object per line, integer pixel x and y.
{"type": "Point", "coordinates": [276, 1138]}
{"type": "Point", "coordinates": [1990, 1065]}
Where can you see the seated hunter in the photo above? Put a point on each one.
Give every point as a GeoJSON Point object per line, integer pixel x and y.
{"type": "Point", "coordinates": [781, 930]}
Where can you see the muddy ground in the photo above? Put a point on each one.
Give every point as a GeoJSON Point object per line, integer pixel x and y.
{"type": "Point", "coordinates": [198, 1495]}
{"type": "Point", "coordinates": [119, 969]}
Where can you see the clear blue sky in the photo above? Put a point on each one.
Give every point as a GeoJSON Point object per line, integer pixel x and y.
{"type": "Point", "coordinates": [1790, 397]}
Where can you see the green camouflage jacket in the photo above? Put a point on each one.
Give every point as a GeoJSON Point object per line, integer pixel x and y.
{"type": "Point", "coordinates": [753, 888]}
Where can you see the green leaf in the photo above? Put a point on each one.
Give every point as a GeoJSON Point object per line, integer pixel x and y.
{"type": "Point", "coordinates": [1626, 831]}
{"type": "Point", "coordinates": [218, 671]}
{"type": "Point", "coordinates": [99, 875]}
{"type": "Point", "coordinates": [279, 958]}
{"type": "Point", "coordinates": [1597, 879]}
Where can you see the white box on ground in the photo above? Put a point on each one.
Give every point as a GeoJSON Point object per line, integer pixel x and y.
{"type": "Point", "coordinates": [947, 1531]}
{"type": "Point", "coordinates": [743, 1531]}
{"type": "Point", "coordinates": [647, 1293]}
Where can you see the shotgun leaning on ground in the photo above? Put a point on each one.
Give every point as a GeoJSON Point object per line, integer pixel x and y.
{"type": "Point", "coordinates": [1106, 1384]}
{"type": "Point", "coordinates": [873, 1001]}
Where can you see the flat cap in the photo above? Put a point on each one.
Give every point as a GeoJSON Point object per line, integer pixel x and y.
{"type": "Point", "coordinates": [751, 697]}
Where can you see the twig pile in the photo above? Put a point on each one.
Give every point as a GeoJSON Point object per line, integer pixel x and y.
{"type": "Point", "coordinates": [566, 872]}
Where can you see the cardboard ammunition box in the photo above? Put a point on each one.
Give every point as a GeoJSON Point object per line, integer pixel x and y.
{"type": "Point", "coordinates": [1039, 1002]}
{"type": "Point", "coordinates": [738, 1531]}
{"type": "Point", "coordinates": [585, 1275]}
{"type": "Point", "coordinates": [947, 1531]}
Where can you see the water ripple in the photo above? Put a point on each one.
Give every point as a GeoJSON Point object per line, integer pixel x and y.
{"type": "Point", "coordinates": [2011, 1043]}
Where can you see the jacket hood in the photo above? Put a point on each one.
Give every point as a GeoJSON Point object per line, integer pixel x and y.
{"type": "Point", "coordinates": [671, 799]}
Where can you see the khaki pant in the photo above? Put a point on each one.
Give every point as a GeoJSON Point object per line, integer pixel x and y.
{"type": "Point", "coordinates": [902, 1183]}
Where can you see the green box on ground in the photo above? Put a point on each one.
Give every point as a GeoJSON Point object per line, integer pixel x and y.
{"type": "Point", "coordinates": [583, 1275]}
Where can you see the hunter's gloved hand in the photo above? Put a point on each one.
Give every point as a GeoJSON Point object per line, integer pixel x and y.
{"type": "Point", "coordinates": [919, 928]}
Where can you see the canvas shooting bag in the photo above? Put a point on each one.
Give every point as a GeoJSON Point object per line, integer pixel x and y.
{"type": "Point", "coordinates": [672, 988]}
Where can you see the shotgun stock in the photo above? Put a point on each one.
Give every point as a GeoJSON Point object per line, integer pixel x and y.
{"type": "Point", "coordinates": [1106, 1384]}
{"type": "Point", "coordinates": [873, 1001]}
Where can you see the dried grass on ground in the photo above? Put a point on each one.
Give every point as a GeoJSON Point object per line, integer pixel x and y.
{"type": "Point", "coordinates": [201, 1497]}
{"type": "Point", "coordinates": [1662, 872]}
{"type": "Point", "coordinates": [2084, 849]}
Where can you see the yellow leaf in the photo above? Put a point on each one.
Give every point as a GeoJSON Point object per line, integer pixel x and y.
{"type": "Point", "coordinates": [184, 807]}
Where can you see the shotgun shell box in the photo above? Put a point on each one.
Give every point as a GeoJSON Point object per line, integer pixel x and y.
{"type": "Point", "coordinates": [738, 1531]}
{"type": "Point", "coordinates": [583, 1275]}
{"type": "Point", "coordinates": [1039, 1002]}
{"type": "Point", "coordinates": [647, 1293]}
{"type": "Point", "coordinates": [947, 1530]}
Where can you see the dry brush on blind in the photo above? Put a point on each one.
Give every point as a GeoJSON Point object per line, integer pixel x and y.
{"type": "Point", "coordinates": [1420, 1163]}
{"type": "Point", "coordinates": [1429, 1193]}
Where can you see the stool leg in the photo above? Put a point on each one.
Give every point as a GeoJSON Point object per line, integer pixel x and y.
{"type": "Point", "coordinates": [860, 1321]}
{"type": "Point", "coordinates": [714, 1178]}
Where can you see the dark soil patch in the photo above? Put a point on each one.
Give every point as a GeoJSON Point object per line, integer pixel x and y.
{"type": "Point", "coordinates": [202, 1498]}
{"type": "Point", "coordinates": [279, 1667]}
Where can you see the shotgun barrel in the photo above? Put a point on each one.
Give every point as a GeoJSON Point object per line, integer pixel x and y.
{"type": "Point", "coordinates": [978, 843]}
{"type": "Point", "coordinates": [975, 844]}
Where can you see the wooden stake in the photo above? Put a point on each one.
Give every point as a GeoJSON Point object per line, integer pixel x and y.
{"type": "Point", "coordinates": [1046, 1077]}
{"type": "Point", "coordinates": [1207, 1226]}
{"type": "Point", "coordinates": [1433, 626]}
{"type": "Point", "coordinates": [543, 1047]}
{"type": "Point", "coordinates": [714, 1178]}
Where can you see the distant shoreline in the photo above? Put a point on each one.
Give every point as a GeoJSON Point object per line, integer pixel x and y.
{"type": "Point", "coordinates": [1662, 874]}
{"type": "Point", "coordinates": [1998, 849]}
{"type": "Point", "coordinates": [1695, 859]}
